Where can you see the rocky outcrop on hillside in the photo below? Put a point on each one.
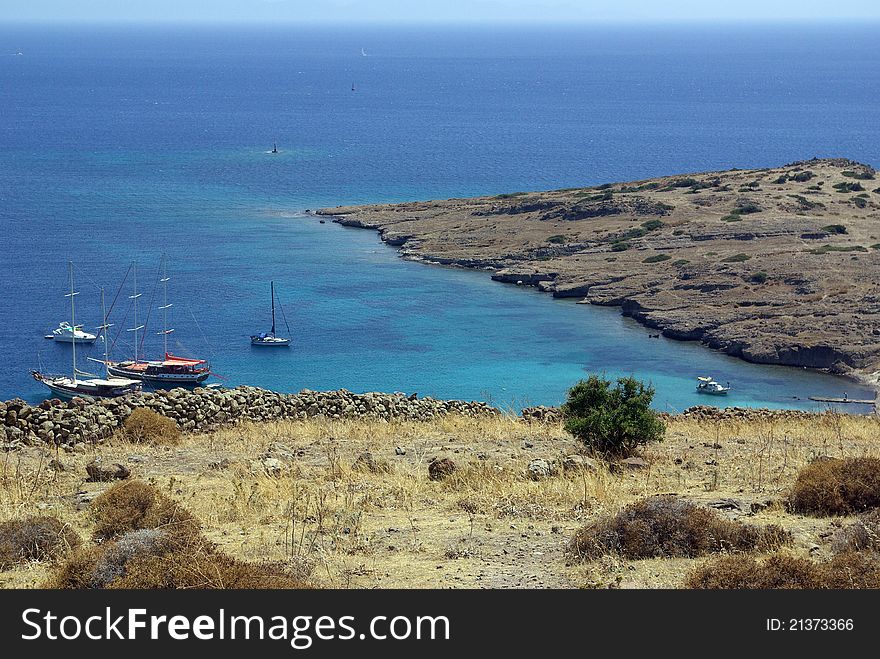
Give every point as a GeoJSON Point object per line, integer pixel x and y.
{"type": "Point", "coordinates": [775, 266]}
{"type": "Point", "coordinates": [57, 422]}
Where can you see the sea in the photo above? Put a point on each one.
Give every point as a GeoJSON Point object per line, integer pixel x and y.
{"type": "Point", "coordinates": [119, 144]}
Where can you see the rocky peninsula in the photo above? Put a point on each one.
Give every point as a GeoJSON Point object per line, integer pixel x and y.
{"type": "Point", "coordinates": [775, 266]}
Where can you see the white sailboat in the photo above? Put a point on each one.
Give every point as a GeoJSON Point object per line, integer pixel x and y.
{"type": "Point", "coordinates": [92, 387]}
{"type": "Point", "coordinates": [269, 339]}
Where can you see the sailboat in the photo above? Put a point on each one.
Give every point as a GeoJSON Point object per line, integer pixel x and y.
{"type": "Point", "coordinates": [171, 370]}
{"type": "Point", "coordinates": [269, 339]}
{"type": "Point", "coordinates": [71, 387]}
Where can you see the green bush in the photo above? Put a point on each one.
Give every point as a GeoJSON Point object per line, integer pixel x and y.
{"type": "Point", "coordinates": [862, 175]}
{"type": "Point", "coordinates": [557, 239]}
{"type": "Point", "coordinates": [860, 202]}
{"type": "Point", "coordinates": [834, 228]}
{"type": "Point", "coordinates": [733, 217]}
{"type": "Point", "coordinates": [657, 258]}
{"type": "Point", "coordinates": [652, 225]}
{"type": "Point", "coordinates": [802, 177]}
{"type": "Point", "coordinates": [736, 258]}
{"type": "Point", "coordinates": [848, 187]}
{"type": "Point", "coordinates": [824, 249]}
{"type": "Point", "coordinates": [758, 277]}
{"type": "Point", "coordinates": [620, 246]}
{"type": "Point", "coordinates": [680, 262]}
{"type": "Point", "coordinates": [612, 420]}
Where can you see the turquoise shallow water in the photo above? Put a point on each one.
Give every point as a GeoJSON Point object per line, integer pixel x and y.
{"type": "Point", "coordinates": [121, 145]}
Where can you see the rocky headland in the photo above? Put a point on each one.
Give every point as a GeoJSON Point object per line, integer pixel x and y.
{"type": "Point", "coordinates": [776, 266]}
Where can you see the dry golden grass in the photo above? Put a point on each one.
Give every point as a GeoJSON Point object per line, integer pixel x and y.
{"type": "Point", "coordinates": [486, 524]}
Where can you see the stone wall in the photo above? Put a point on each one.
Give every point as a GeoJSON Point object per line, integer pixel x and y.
{"type": "Point", "coordinates": [54, 421]}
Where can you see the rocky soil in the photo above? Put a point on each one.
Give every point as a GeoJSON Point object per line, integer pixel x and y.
{"type": "Point", "coordinates": [775, 266]}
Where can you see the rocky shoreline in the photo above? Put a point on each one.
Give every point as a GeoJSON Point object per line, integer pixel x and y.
{"type": "Point", "coordinates": [774, 266]}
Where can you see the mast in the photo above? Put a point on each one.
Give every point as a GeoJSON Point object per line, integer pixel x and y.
{"type": "Point", "coordinates": [165, 306]}
{"type": "Point", "coordinates": [272, 285]}
{"type": "Point", "coordinates": [104, 327]}
{"type": "Point", "coordinates": [136, 327]}
{"type": "Point", "coordinates": [72, 317]}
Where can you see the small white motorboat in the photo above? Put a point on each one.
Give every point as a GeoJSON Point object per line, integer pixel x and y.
{"type": "Point", "coordinates": [706, 385]}
{"type": "Point", "coordinates": [66, 333]}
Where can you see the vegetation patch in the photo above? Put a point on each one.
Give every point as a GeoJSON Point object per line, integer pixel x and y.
{"type": "Point", "coordinates": [824, 249]}
{"type": "Point", "coordinates": [145, 426]}
{"type": "Point", "coordinates": [736, 258]}
{"type": "Point", "coordinates": [845, 186]}
{"type": "Point", "coordinates": [802, 177]}
{"type": "Point", "coordinates": [657, 258]}
{"type": "Point", "coordinates": [759, 277]}
{"type": "Point", "coordinates": [619, 246]}
{"type": "Point", "coordinates": [805, 204]}
{"type": "Point", "coordinates": [851, 570]}
{"type": "Point", "coordinates": [860, 202]}
{"type": "Point", "coordinates": [667, 526]}
{"type": "Point", "coordinates": [732, 217]}
{"type": "Point", "coordinates": [862, 534]}
{"type": "Point", "coordinates": [832, 486]}
{"type": "Point", "coordinates": [680, 262]}
{"type": "Point", "coordinates": [34, 538]}
{"type": "Point", "coordinates": [612, 419]}
{"type": "Point", "coordinates": [558, 239]}
{"type": "Point", "coordinates": [652, 225]}
{"type": "Point", "coordinates": [511, 195]}
{"type": "Point", "coordinates": [134, 505]}
{"type": "Point", "coordinates": [834, 228]}
{"type": "Point", "coordinates": [861, 175]}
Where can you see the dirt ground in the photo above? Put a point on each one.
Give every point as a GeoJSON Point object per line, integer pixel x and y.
{"type": "Point", "coordinates": [295, 492]}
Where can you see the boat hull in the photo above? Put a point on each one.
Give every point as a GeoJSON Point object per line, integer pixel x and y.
{"type": "Point", "coordinates": [176, 379]}
{"type": "Point", "coordinates": [276, 342]}
{"type": "Point", "coordinates": [66, 389]}
{"type": "Point", "coordinates": [67, 338]}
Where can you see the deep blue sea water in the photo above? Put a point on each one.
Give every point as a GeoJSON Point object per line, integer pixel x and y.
{"type": "Point", "coordinates": [120, 143]}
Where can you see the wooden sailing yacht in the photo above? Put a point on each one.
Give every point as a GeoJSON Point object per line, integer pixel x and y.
{"type": "Point", "coordinates": [171, 370]}
{"type": "Point", "coordinates": [92, 387]}
{"type": "Point", "coordinates": [269, 339]}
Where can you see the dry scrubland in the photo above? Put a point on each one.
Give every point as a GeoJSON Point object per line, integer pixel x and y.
{"type": "Point", "coordinates": [298, 503]}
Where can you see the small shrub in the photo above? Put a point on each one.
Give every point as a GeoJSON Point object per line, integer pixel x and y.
{"type": "Point", "coordinates": [680, 262]}
{"type": "Point", "coordinates": [621, 246]}
{"type": "Point", "coordinates": [736, 258]}
{"type": "Point", "coordinates": [151, 559]}
{"type": "Point", "coordinates": [732, 217]}
{"type": "Point", "coordinates": [802, 177]}
{"type": "Point", "coordinates": [805, 204]}
{"type": "Point", "coordinates": [612, 420]}
{"type": "Point", "coordinates": [557, 239]}
{"type": "Point", "coordinates": [860, 202]}
{"type": "Point", "coordinates": [824, 249]}
{"type": "Point", "coordinates": [838, 229]}
{"type": "Point", "coordinates": [837, 487]}
{"type": "Point", "coordinates": [862, 174]}
{"type": "Point", "coordinates": [34, 538]}
{"type": "Point", "coordinates": [668, 526]}
{"type": "Point", "coordinates": [652, 225]}
{"type": "Point", "coordinates": [875, 246]}
{"type": "Point", "coordinates": [133, 505]}
{"type": "Point", "coordinates": [145, 426]}
{"type": "Point", "coordinates": [845, 187]}
{"type": "Point", "coordinates": [759, 277]}
{"type": "Point", "coordinates": [862, 534]}
{"type": "Point", "coordinates": [657, 258]}
{"type": "Point", "coordinates": [747, 208]}
{"type": "Point", "coordinates": [781, 180]}
{"type": "Point", "coordinates": [744, 572]}
{"type": "Point", "coordinates": [851, 570]}
{"type": "Point", "coordinates": [441, 468]}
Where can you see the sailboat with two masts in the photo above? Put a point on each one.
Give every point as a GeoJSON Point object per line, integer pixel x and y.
{"type": "Point", "coordinates": [91, 387]}
{"type": "Point", "coordinates": [269, 338]}
{"type": "Point", "coordinates": [171, 370]}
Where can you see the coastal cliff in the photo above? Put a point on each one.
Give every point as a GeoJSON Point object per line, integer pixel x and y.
{"type": "Point", "coordinates": [775, 266]}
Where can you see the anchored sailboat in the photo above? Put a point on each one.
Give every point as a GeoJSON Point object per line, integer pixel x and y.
{"type": "Point", "coordinates": [269, 339]}
{"type": "Point", "coordinates": [70, 387]}
{"type": "Point", "coordinates": [173, 370]}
